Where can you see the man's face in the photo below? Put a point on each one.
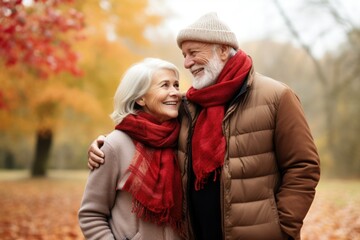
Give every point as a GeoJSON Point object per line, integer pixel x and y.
{"type": "Point", "coordinates": [203, 61]}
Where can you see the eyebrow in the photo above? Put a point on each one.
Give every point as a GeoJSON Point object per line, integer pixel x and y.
{"type": "Point", "coordinates": [167, 80]}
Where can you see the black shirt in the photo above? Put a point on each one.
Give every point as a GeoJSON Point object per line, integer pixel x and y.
{"type": "Point", "coordinates": [205, 211]}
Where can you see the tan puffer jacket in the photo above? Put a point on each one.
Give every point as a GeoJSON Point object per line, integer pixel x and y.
{"type": "Point", "coordinates": [271, 165]}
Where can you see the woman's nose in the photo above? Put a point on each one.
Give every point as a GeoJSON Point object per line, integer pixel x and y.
{"type": "Point", "coordinates": [174, 91]}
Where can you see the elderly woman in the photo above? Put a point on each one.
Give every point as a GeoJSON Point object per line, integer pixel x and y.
{"type": "Point", "coordinates": [137, 193]}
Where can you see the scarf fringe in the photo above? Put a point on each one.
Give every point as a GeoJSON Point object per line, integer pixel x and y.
{"type": "Point", "coordinates": [201, 181]}
{"type": "Point", "coordinates": [160, 218]}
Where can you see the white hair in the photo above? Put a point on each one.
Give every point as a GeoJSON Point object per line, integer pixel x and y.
{"type": "Point", "coordinates": [232, 51]}
{"type": "Point", "coordinates": [134, 84]}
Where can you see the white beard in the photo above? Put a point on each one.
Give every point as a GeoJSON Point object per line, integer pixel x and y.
{"type": "Point", "coordinates": [211, 72]}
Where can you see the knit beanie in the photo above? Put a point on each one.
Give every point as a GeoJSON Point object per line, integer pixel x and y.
{"type": "Point", "coordinates": [210, 29]}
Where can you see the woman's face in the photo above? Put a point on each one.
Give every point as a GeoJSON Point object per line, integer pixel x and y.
{"type": "Point", "coordinates": [162, 100]}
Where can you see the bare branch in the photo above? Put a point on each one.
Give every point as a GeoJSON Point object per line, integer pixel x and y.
{"type": "Point", "coordinates": [298, 38]}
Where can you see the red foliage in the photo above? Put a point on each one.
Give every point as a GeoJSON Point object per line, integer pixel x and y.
{"type": "Point", "coordinates": [38, 35]}
{"type": "Point", "coordinates": [2, 101]}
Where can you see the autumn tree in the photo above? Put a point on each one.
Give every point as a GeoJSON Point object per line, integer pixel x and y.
{"type": "Point", "coordinates": [45, 89]}
{"type": "Point", "coordinates": [37, 38]}
{"type": "Point", "coordinates": [338, 74]}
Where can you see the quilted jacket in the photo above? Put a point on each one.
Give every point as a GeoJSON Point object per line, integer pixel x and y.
{"type": "Point", "coordinates": [271, 167]}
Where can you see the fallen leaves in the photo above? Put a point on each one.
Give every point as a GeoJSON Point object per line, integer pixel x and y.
{"type": "Point", "coordinates": [46, 209]}
{"type": "Point", "coordinates": [335, 212]}
{"type": "Point", "coordinates": [37, 209]}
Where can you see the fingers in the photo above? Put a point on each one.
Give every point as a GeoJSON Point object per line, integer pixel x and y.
{"type": "Point", "coordinates": [95, 155]}
{"type": "Point", "coordinates": [95, 150]}
{"type": "Point", "coordinates": [89, 165]}
{"type": "Point", "coordinates": [101, 139]}
{"type": "Point", "coordinates": [92, 164]}
{"type": "Point", "coordinates": [94, 161]}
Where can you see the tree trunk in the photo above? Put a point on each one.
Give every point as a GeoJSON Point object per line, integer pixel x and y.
{"type": "Point", "coordinates": [9, 160]}
{"type": "Point", "coordinates": [43, 146]}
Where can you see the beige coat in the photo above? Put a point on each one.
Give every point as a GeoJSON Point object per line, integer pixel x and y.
{"type": "Point", "coordinates": [105, 211]}
{"type": "Point", "coordinates": [271, 167]}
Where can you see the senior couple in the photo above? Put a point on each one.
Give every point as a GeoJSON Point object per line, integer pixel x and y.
{"type": "Point", "coordinates": [234, 160]}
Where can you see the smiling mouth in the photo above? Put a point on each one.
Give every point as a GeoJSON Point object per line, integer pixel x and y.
{"type": "Point", "coordinates": [171, 103]}
{"type": "Point", "coordinates": [197, 71]}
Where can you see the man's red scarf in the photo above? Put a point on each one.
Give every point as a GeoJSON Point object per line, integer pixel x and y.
{"type": "Point", "coordinates": [155, 179]}
{"type": "Point", "coordinates": [208, 141]}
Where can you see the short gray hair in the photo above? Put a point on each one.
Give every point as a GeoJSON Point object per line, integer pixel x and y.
{"type": "Point", "coordinates": [232, 51]}
{"type": "Point", "coordinates": [134, 84]}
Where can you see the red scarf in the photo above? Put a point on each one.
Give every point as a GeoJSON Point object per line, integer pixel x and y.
{"type": "Point", "coordinates": [155, 180]}
{"type": "Point", "coordinates": [208, 141]}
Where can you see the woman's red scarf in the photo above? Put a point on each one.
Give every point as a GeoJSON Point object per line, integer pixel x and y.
{"type": "Point", "coordinates": [208, 141]}
{"type": "Point", "coordinates": [155, 180]}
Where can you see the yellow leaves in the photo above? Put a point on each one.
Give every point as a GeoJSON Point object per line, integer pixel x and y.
{"type": "Point", "coordinates": [34, 103]}
{"type": "Point", "coordinates": [53, 99]}
{"type": "Point", "coordinates": [124, 19]}
{"type": "Point", "coordinates": [16, 91]}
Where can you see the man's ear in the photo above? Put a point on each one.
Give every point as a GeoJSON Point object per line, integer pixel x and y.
{"type": "Point", "coordinates": [224, 52]}
{"type": "Point", "coordinates": [140, 102]}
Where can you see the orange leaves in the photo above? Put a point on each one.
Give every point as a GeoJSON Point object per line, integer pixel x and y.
{"type": "Point", "coordinates": [54, 98]}
{"type": "Point", "coordinates": [335, 212]}
{"type": "Point", "coordinates": [50, 102]}
{"type": "Point", "coordinates": [331, 222]}
{"type": "Point", "coordinates": [46, 209]}
{"type": "Point", "coordinates": [40, 209]}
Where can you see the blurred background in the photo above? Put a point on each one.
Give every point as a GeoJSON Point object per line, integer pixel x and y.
{"type": "Point", "coordinates": [61, 61]}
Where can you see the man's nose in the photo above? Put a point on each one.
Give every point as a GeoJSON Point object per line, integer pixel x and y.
{"type": "Point", "coordinates": [188, 62]}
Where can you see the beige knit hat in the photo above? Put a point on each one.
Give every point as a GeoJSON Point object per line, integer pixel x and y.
{"type": "Point", "coordinates": [210, 29]}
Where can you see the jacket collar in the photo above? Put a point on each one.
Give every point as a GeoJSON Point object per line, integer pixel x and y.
{"type": "Point", "coordinates": [247, 84]}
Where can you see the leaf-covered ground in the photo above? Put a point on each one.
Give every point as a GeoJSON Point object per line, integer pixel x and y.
{"type": "Point", "coordinates": [46, 209]}
{"type": "Point", "coordinates": [40, 209]}
{"type": "Point", "coordinates": [335, 212]}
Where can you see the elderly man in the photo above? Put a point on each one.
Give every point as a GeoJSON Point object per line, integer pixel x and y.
{"type": "Point", "coordinates": [249, 163]}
